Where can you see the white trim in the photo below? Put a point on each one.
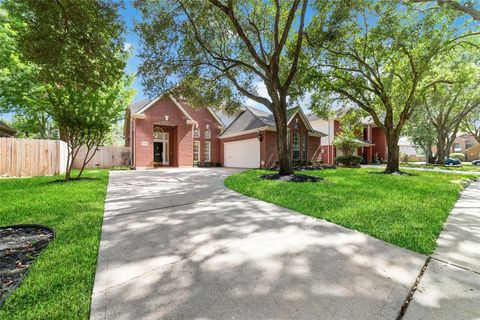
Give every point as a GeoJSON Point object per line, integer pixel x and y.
{"type": "Point", "coordinates": [138, 116]}
{"type": "Point", "coordinates": [209, 151]}
{"type": "Point", "coordinates": [214, 115]}
{"type": "Point", "coordinates": [318, 134]}
{"type": "Point", "coordinates": [268, 128]}
{"type": "Point", "coordinates": [304, 119]}
{"type": "Point", "coordinates": [196, 142]}
{"type": "Point", "coordinates": [179, 106]}
{"type": "Point", "coordinates": [148, 105]}
{"type": "Point", "coordinates": [191, 122]}
{"type": "Point", "coordinates": [139, 113]}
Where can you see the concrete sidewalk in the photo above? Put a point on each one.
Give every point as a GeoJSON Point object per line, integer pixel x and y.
{"type": "Point", "coordinates": [450, 286]}
{"type": "Point", "coordinates": [177, 244]}
{"type": "Point", "coordinates": [379, 166]}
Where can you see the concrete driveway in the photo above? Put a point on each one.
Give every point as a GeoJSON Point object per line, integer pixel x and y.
{"type": "Point", "coordinates": [177, 244]}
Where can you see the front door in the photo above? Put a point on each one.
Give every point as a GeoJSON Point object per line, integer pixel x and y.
{"type": "Point", "coordinates": [158, 152]}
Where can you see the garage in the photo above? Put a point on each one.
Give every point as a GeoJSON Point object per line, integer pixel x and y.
{"type": "Point", "coordinates": [242, 154]}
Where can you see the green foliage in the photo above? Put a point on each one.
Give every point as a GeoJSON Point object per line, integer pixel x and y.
{"type": "Point", "coordinates": [408, 211]}
{"type": "Point", "coordinates": [71, 40]}
{"type": "Point", "coordinates": [348, 139]}
{"type": "Point", "coordinates": [349, 161]}
{"type": "Point", "coordinates": [459, 156]}
{"type": "Point", "coordinates": [60, 282]}
{"type": "Point", "coordinates": [382, 60]}
{"type": "Point", "coordinates": [76, 49]}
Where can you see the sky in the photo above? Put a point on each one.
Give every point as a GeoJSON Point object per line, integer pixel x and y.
{"type": "Point", "coordinates": [132, 41]}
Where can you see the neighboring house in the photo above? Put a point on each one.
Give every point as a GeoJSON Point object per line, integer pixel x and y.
{"type": "Point", "coordinates": [168, 132]}
{"type": "Point", "coordinates": [473, 153]}
{"type": "Point", "coordinates": [373, 139]}
{"type": "Point", "coordinates": [6, 131]}
{"type": "Point", "coordinates": [462, 142]}
{"type": "Point", "coordinates": [250, 141]}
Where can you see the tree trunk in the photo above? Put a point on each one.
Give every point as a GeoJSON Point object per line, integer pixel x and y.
{"type": "Point", "coordinates": [393, 158]}
{"type": "Point", "coordinates": [440, 150]}
{"type": "Point", "coordinates": [284, 161]}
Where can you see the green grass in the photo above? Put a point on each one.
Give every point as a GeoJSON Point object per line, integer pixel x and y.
{"type": "Point", "coordinates": [466, 166]}
{"type": "Point", "coordinates": [60, 281]}
{"type": "Point", "coordinates": [408, 211]}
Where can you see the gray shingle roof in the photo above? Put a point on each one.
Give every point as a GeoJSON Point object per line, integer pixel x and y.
{"type": "Point", "coordinates": [252, 118]}
{"type": "Point", "coordinates": [136, 106]}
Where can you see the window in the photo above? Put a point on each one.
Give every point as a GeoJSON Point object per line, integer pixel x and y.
{"type": "Point", "coordinates": [457, 147]}
{"type": "Point", "coordinates": [196, 132]}
{"type": "Point", "coordinates": [296, 146]}
{"type": "Point", "coordinates": [207, 151]}
{"type": "Point", "coordinates": [207, 134]}
{"type": "Point", "coordinates": [304, 147]}
{"type": "Point", "coordinates": [196, 151]}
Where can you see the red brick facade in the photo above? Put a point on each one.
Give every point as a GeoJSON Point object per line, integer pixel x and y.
{"type": "Point", "coordinates": [165, 116]}
{"type": "Point", "coordinates": [268, 143]}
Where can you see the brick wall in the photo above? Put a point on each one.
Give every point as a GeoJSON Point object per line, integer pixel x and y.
{"type": "Point", "coordinates": [182, 146]}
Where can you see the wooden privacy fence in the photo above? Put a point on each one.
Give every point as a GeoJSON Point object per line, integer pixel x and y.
{"type": "Point", "coordinates": [105, 157]}
{"type": "Point", "coordinates": [32, 157]}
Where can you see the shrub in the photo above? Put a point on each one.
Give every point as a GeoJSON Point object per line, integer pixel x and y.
{"type": "Point", "coordinates": [349, 161]}
{"type": "Point", "coordinates": [376, 159]}
{"type": "Point", "coordinates": [404, 157]}
{"type": "Point", "coordinates": [459, 156]}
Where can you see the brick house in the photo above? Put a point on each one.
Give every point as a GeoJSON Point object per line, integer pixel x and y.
{"type": "Point", "coordinates": [373, 139]}
{"type": "Point", "coordinates": [250, 140]}
{"type": "Point", "coordinates": [168, 132]}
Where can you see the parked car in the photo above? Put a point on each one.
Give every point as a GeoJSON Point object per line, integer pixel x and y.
{"type": "Point", "coordinates": [452, 162]}
{"type": "Point", "coordinates": [476, 162]}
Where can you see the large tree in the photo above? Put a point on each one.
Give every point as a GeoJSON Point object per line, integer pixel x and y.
{"type": "Point", "coordinates": [468, 7]}
{"type": "Point", "coordinates": [382, 63]}
{"type": "Point", "coordinates": [217, 52]}
{"type": "Point", "coordinates": [471, 123]}
{"type": "Point", "coordinates": [20, 94]}
{"type": "Point", "coordinates": [77, 48]}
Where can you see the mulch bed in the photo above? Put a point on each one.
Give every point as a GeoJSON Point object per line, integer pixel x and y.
{"type": "Point", "coordinates": [19, 246]}
{"type": "Point", "coordinates": [292, 178]}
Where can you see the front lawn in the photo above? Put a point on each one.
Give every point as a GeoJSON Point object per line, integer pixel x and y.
{"type": "Point", "coordinates": [465, 166]}
{"type": "Point", "coordinates": [408, 211]}
{"type": "Point", "coordinates": [60, 282]}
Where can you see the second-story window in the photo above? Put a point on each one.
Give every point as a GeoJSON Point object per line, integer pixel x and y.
{"type": "Point", "coordinates": [196, 132]}
{"type": "Point", "coordinates": [207, 134]}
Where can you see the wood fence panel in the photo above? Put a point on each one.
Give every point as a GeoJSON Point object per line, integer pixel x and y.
{"type": "Point", "coordinates": [105, 157]}
{"type": "Point", "coordinates": [31, 157]}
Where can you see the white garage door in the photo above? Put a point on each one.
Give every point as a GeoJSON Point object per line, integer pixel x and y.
{"type": "Point", "coordinates": [242, 154]}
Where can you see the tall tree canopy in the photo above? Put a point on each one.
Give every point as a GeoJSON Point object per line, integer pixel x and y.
{"type": "Point", "coordinates": [77, 50]}
{"type": "Point", "coordinates": [468, 7]}
{"type": "Point", "coordinates": [382, 63]}
{"type": "Point", "coordinates": [216, 52]}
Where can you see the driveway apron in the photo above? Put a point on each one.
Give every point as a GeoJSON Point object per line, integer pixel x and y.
{"type": "Point", "coordinates": [177, 244]}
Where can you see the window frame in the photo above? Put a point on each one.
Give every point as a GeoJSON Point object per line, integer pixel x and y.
{"type": "Point", "coordinates": [209, 135]}
{"type": "Point", "coordinates": [209, 154]}
{"type": "Point", "coordinates": [455, 149]}
{"type": "Point", "coordinates": [304, 147]}
{"type": "Point", "coordinates": [196, 132]}
{"type": "Point", "coordinates": [296, 146]}
{"type": "Point", "coordinates": [196, 143]}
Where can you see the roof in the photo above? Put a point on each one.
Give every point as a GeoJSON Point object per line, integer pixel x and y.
{"type": "Point", "coordinates": [252, 118]}
{"type": "Point", "coordinates": [141, 106]}
{"type": "Point", "coordinates": [137, 106]}
{"type": "Point", "coordinates": [6, 128]}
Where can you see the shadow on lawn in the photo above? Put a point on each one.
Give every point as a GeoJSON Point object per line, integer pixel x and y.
{"type": "Point", "coordinates": [211, 253]}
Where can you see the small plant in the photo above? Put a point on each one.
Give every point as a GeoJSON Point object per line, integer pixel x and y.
{"type": "Point", "coordinates": [349, 161]}
{"type": "Point", "coordinates": [404, 157]}
{"type": "Point", "coordinates": [459, 156]}
{"type": "Point", "coordinates": [376, 159]}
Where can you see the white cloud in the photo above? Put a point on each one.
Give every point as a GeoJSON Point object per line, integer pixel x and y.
{"type": "Point", "coordinates": [127, 46]}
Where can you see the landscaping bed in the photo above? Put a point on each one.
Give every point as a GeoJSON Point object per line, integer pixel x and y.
{"type": "Point", "coordinates": [19, 246]}
{"type": "Point", "coordinates": [59, 283]}
{"type": "Point", "coordinates": [405, 210]}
